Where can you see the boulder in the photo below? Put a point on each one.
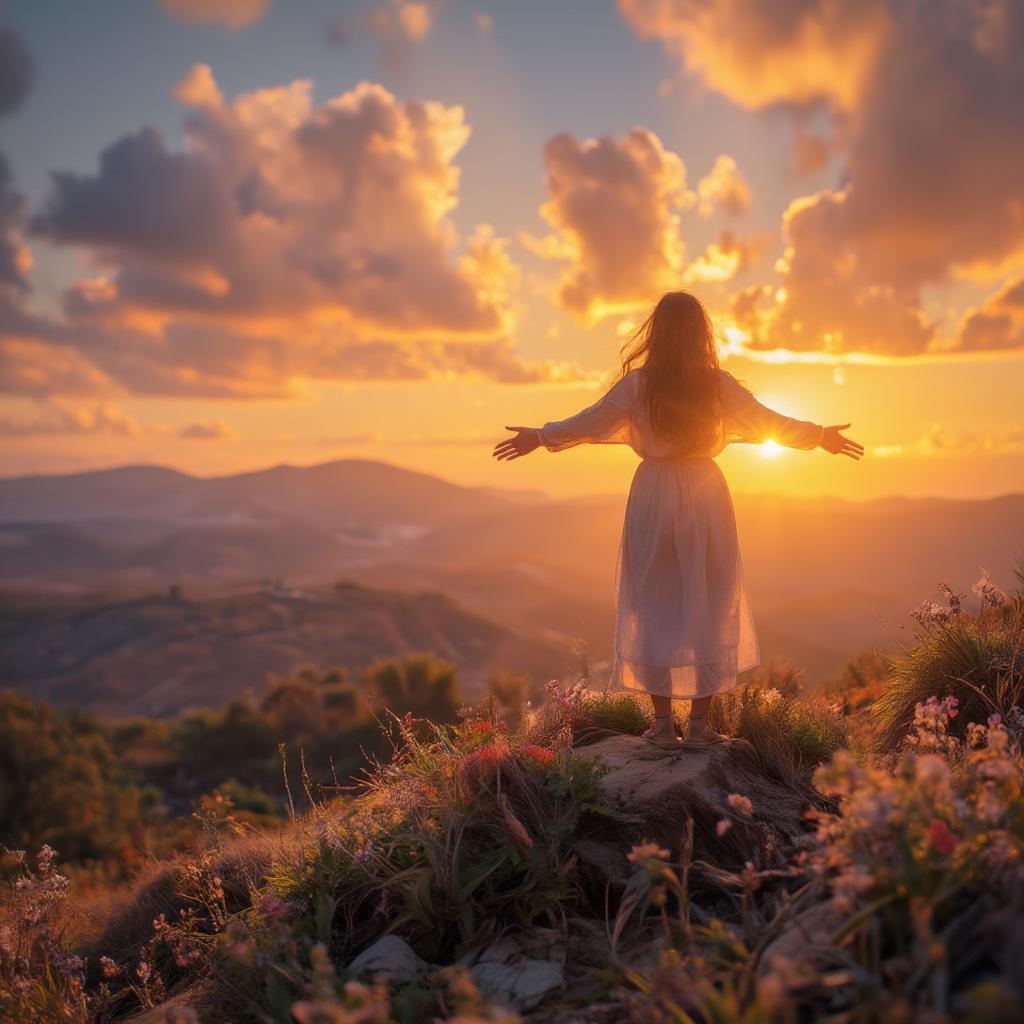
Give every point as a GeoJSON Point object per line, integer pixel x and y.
{"type": "Point", "coordinates": [391, 957]}
{"type": "Point", "coordinates": [652, 792]}
{"type": "Point", "coordinates": [520, 984]}
{"type": "Point", "coordinates": [520, 971]}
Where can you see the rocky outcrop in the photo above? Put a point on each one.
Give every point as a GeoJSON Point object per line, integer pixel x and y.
{"type": "Point", "coordinates": [652, 792]}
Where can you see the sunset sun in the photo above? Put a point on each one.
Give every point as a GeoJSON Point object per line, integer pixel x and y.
{"type": "Point", "coordinates": [771, 449]}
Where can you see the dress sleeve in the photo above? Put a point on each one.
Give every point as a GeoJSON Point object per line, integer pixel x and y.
{"type": "Point", "coordinates": [746, 419]}
{"type": "Point", "coordinates": [607, 421]}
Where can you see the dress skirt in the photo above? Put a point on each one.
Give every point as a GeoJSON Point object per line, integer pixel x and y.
{"type": "Point", "coordinates": [683, 621]}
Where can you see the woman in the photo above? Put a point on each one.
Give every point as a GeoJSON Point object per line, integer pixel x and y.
{"type": "Point", "coordinates": [683, 624]}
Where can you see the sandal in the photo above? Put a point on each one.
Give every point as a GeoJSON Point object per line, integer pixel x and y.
{"type": "Point", "coordinates": [664, 742]}
{"type": "Point", "coordinates": [702, 742]}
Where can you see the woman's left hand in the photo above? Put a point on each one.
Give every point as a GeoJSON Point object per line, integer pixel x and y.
{"type": "Point", "coordinates": [834, 442]}
{"type": "Point", "coordinates": [526, 440]}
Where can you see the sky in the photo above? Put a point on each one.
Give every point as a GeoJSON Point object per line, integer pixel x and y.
{"type": "Point", "coordinates": [235, 233]}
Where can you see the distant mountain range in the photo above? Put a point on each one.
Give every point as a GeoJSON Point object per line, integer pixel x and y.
{"type": "Point", "coordinates": [827, 577]}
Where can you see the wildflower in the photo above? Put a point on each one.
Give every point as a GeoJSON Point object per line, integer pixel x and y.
{"type": "Point", "coordinates": [989, 593]}
{"type": "Point", "coordinates": [932, 770]}
{"type": "Point", "coordinates": [272, 907]}
{"type": "Point", "coordinates": [480, 767]}
{"type": "Point", "coordinates": [644, 852]}
{"type": "Point", "coordinates": [740, 804]}
{"type": "Point", "coordinates": [542, 755]}
{"type": "Point", "coordinates": [929, 613]}
{"type": "Point", "coordinates": [953, 600]}
{"type": "Point", "coordinates": [931, 722]}
{"type": "Point", "coordinates": [109, 967]}
{"type": "Point", "coordinates": [941, 838]}
{"type": "Point", "coordinates": [723, 826]}
{"type": "Point", "coordinates": [852, 881]}
{"type": "Point", "coordinates": [997, 769]}
{"type": "Point", "coordinates": [989, 805]}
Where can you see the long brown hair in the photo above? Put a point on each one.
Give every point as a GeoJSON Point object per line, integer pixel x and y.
{"type": "Point", "coordinates": [676, 344]}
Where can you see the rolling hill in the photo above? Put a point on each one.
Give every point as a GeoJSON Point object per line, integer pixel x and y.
{"type": "Point", "coordinates": [160, 655]}
{"type": "Point", "coordinates": [827, 577]}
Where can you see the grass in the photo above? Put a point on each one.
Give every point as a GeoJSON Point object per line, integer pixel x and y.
{"type": "Point", "coordinates": [977, 659]}
{"type": "Point", "coordinates": [906, 902]}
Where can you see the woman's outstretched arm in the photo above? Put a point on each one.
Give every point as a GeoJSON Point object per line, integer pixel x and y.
{"type": "Point", "coordinates": [751, 421]}
{"type": "Point", "coordinates": [604, 422]}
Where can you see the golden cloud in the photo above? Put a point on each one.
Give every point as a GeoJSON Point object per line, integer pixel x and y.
{"type": "Point", "coordinates": [758, 53]}
{"type": "Point", "coordinates": [723, 187]}
{"type": "Point", "coordinates": [285, 241]}
{"type": "Point", "coordinates": [208, 430]}
{"type": "Point", "coordinates": [931, 130]}
{"type": "Point", "coordinates": [613, 207]}
{"type": "Point", "coordinates": [233, 14]}
{"type": "Point", "coordinates": [57, 416]}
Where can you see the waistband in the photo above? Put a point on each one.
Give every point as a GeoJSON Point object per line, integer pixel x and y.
{"type": "Point", "coordinates": [678, 458]}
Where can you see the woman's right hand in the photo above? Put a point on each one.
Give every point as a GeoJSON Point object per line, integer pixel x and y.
{"type": "Point", "coordinates": [525, 441]}
{"type": "Point", "coordinates": [834, 442]}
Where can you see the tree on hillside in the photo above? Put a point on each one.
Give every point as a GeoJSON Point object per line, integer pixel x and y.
{"type": "Point", "coordinates": [61, 783]}
{"type": "Point", "coordinates": [421, 684]}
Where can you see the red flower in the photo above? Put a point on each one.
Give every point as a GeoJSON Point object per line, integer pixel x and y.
{"type": "Point", "coordinates": [481, 766]}
{"type": "Point", "coordinates": [542, 755]}
{"type": "Point", "coordinates": [941, 838]}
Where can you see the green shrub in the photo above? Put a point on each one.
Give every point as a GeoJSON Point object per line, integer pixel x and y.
{"type": "Point", "coordinates": [977, 659]}
{"type": "Point", "coordinates": [791, 734]}
{"type": "Point", "coordinates": [467, 827]}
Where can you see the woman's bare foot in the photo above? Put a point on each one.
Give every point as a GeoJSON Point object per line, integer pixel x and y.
{"type": "Point", "coordinates": [700, 734]}
{"type": "Point", "coordinates": [663, 732]}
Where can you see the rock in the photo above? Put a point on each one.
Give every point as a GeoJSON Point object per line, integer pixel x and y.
{"type": "Point", "coordinates": [608, 860]}
{"type": "Point", "coordinates": [392, 957]}
{"type": "Point", "coordinates": [519, 971]}
{"type": "Point", "coordinates": [520, 984]}
{"type": "Point", "coordinates": [653, 791]}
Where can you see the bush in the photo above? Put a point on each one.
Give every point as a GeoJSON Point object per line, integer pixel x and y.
{"type": "Point", "coordinates": [792, 735]}
{"type": "Point", "coordinates": [978, 659]}
{"type": "Point", "coordinates": [61, 782]}
{"type": "Point", "coordinates": [467, 825]}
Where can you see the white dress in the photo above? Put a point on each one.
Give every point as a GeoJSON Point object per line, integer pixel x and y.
{"type": "Point", "coordinates": [683, 623]}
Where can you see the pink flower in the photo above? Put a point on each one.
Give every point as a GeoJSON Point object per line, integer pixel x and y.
{"type": "Point", "coordinates": [740, 804]}
{"type": "Point", "coordinates": [723, 826]}
{"type": "Point", "coordinates": [941, 838]}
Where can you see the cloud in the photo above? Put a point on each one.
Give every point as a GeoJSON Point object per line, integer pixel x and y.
{"type": "Point", "coordinates": [15, 70]}
{"type": "Point", "coordinates": [613, 207]}
{"type": "Point", "coordinates": [999, 324]}
{"type": "Point", "coordinates": [15, 80]}
{"type": "Point", "coordinates": [208, 430]}
{"type": "Point", "coordinates": [924, 102]}
{"type": "Point", "coordinates": [285, 241]}
{"type": "Point", "coordinates": [723, 187]}
{"type": "Point", "coordinates": [397, 26]}
{"type": "Point", "coordinates": [57, 417]}
{"type": "Point", "coordinates": [759, 54]}
{"type": "Point", "coordinates": [401, 21]}
{"type": "Point", "coordinates": [729, 256]}
{"type": "Point", "coordinates": [277, 208]}
{"type": "Point", "coordinates": [232, 14]}
{"type": "Point", "coordinates": [940, 441]}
